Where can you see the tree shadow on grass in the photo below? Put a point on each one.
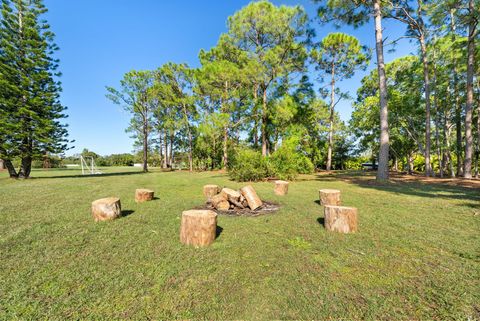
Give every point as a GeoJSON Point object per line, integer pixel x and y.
{"type": "Point", "coordinates": [89, 176]}
{"type": "Point", "coordinates": [441, 189]}
{"type": "Point", "coordinates": [125, 213]}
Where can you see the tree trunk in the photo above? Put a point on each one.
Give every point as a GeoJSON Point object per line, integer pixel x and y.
{"type": "Point", "coordinates": [458, 116]}
{"type": "Point", "coordinates": [165, 144]}
{"type": "Point", "coordinates": [382, 172]}
{"type": "Point", "coordinates": [467, 172]}
{"type": "Point", "coordinates": [255, 110]}
{"type": "Point", "coordinates": [446, 137]}
{"type": "Point", "coordinates": [189, 133]}
{"type": "Point", "coordinates": [225, 148]}
{"type": "Point", "coordinates": [437, 117]}
{"type": "Point", "coordinates": [264, 123]}
{"type": "Point", "coordinates": [478, 134]}
{"type": "Point", "coordinates": [426, 79]}
{"type": "Point", "coordinates": [170, 161]}
{"type": "Point", "coordinates": [145, 146]}
{"type": "Point", "coordinates": [330, 132]}
{"type": "Point", "coordinates": [11, 169]}
{"type": "Point", "coordinates": [410, 163]}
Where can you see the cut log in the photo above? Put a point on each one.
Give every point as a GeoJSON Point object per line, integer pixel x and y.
{"type": "Point", "coordinates": [281, 187]}
{"type": "Point", "coordinates": [341, 219]}
{"type": "Point", "coordinates": [198, 227]}
{"type": "Point", "coordinates": [329, 197]}
{"type": "Point", "coordinates": [237, 204]}
{"type": "Point", "coordinates": [251, 196]}
{"type": "Point", "coordinates": [230, 194]}
{"type": "Point", "coordinates": [210, 190]}
{"type": "Point", "coordinates": [143, 195]}
{"type": "Point", "coordinates": [106, 209]}
{"type": "Point", "coordinates": [220, 202]}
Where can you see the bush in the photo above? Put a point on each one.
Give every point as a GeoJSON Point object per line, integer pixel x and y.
{"type": "Point", "coordinates": [285, 163]}
{"type": "Point", "coordinates": [248, 165]}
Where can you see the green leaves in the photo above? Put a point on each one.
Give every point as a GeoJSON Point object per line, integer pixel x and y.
{"type": "Point", "coordinates": [30, 113]}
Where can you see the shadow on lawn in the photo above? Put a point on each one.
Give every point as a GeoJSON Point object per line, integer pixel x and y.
{"type": "Point", "coordinates": [400, 185]}
{"type": "Point", "coordinates": [321, 221]}
{"type": "Point", "coordinates": [218, 231]}
{"type": "Point", "coordinates": [87, 176]}
{"type": "Point", "coordinates": [125, 213]}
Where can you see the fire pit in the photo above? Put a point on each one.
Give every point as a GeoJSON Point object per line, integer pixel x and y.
{"type": "Point", "coordinates": [244, 202]}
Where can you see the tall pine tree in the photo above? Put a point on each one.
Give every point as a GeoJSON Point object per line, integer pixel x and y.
{"type": "Point", "coordinates": [30, 109]}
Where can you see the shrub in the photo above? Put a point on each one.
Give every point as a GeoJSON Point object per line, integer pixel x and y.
{"type": "Point", "coordinates": [286, 163]}
{"type": "Point", "coordinates": [248, 165]}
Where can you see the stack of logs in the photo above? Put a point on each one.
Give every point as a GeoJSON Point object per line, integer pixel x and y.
{"type": "Point", "coordinates": [228, 199]}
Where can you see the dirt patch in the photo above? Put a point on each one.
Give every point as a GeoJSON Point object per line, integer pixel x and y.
{"type": "Point", "coordinates": [266, 208]}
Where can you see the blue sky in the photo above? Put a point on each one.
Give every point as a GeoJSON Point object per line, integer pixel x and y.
{"type": "Point", "coordinates": [100, 40]}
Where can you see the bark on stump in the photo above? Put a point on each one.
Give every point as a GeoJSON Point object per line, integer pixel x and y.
{"type": "Point", "coordinates": [143, 195]}
{"type": "Point", "coordinates": [198, 227]}
{"type": "Point", "coordinates": [230, 194]}
{"type": "Point", "coordinates": [210, 190]}
{"type": "Point", "coordinates": [220, 202]}
{"type": "Point", "coordinates": [281, 188]}
{"type": "Point", "coordinates": [341, 219]}
{"type": "Point", "coordinates": [106, 209]}
{"type": "Point", "coordinates": [251, 196]}
{"type": "Point", "coordinates": [330, 197]}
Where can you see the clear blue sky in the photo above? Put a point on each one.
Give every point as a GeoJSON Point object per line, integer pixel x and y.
{"type": "Point", "coordinates": [100, 40]}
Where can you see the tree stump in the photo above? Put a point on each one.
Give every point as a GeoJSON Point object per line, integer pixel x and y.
{"type": "Point", "coordinates": [341, 219]}
{"type": "Point", "coordinates": [210, 190]}
{"type": "Point", "coordinates": [281, 187]}
{"type": "Point", "coordinates": [198, 228]}
{"type": "Point", "coordinates": [329, 197]}
{"type": "Point", "coordinates": [220, 202]}
{"type": "Point", "coordinates": [143, 195]}
{"type": "Point", "coordinates": [106, 209]}
{"type": "Point", "coordinates": [230, 194]}
{"type": "Point", "coordinates": [251, 196]}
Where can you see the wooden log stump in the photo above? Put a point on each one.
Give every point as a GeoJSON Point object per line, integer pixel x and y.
{"type": "Point", "coordinates": [143, 195]}
{"type": "Point", "coordinates": [251, 196]}
{"type": "Point", "coordinates": [341, 219]}
{"type": "Point", "coordinates": [220, 202]}
{"type": "Point", "coordinates": [106, 209]}
{"type": "Point", "coordinates": [210, 190]}
{"type": "Point", "coordinates": [281, 187]}
{"type": "Point", "coordinates": [230, 194]}
{"type": "Point", "coordinates": [198, 227]}
{"type": "Point", "coordinates": [330, 197]}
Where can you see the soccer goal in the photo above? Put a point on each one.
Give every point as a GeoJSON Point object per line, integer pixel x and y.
{"type": "Point", "coordinates": [89, 169]}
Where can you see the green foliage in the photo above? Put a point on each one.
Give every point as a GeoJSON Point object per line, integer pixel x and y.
{"type": "Point", "coordinates": [30, 110]}
{"type": "Point", "coordinates": [286, 163]}
{"type": "Point", "coordinates": [249, 165]}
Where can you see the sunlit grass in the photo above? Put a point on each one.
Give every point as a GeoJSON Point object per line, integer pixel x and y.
{"type": "Point", "coordinates": [416, 255]}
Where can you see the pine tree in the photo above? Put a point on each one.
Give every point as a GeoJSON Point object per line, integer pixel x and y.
{"type": "Point", "coordinates": [31, 112]}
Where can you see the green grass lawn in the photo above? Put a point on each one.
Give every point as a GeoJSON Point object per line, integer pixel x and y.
{"type": "Point", "coordinates": [416, 255]}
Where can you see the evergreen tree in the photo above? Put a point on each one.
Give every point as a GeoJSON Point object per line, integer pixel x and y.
{"type": "Point", "coordinates": [30, 109]}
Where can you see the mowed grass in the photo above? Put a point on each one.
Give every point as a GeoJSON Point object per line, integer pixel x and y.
{"type": "Point", "coordinates": [416, 255]}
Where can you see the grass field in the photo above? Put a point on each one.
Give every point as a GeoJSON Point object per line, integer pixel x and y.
{"type": "Point", "coordinates": [416, 255]}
